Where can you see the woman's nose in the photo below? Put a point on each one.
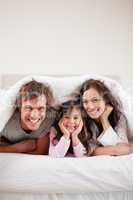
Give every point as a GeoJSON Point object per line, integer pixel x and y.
{"type": "Point", "coordinates": [90, 105]}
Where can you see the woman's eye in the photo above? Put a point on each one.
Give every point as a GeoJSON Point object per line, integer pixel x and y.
{"type": "Point", "coordinates": [95, 100]}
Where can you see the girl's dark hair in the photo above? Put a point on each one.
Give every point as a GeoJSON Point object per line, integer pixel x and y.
{"type": "Point", "coordinates": [65, 108]}
{"type": "Point", "coordinates": [104, 91]}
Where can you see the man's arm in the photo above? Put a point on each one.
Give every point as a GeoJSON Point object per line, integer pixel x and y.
{"type": "Point", "coordinates": [42, 146]}
{"type": "Point", "coordinates": [20, 147]}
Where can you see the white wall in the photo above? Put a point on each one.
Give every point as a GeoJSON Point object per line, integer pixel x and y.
{"type": "Point", "coordinates": [66, 37]}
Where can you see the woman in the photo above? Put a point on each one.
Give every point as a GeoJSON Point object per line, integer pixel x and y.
{"type": "Point", "coordinates": [104, 119]}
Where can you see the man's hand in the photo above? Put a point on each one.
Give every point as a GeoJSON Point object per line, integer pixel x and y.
{"type": "Point", "coordinates": [25, 146]}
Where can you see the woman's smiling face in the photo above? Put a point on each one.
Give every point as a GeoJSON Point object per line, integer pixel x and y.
{"type": "Point", "coordinates": [93, 103]}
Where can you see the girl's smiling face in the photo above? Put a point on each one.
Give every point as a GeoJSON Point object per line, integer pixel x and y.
{"type": "Point", "coordinates": [71, 119]}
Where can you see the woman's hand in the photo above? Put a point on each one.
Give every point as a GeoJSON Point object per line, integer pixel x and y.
{"type": "Point", "coordinates": [104, 117]}
{"type": "Point", "coordinates": [113, 150]}
{"type": "Point", "coordinates": [106, 113]}
{"type": "Point", "coordinates": [63, 129]}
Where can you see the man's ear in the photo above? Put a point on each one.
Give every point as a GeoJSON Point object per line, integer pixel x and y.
{"type": "Point", "coordinates": [18, 102]}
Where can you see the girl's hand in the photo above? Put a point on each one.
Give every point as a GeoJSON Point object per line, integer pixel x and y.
{"type": "Point", "coordinates": [78, 129]}
{"type": "Point", "coordinates": [64, 131]}
{"type": "Point", "coordinates": [106, 113]}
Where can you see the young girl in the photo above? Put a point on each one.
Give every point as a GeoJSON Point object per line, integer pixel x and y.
{"type": "Point", "coordinates": [68, 135]}
{"type": "Point", "coordinates": [104, 118]}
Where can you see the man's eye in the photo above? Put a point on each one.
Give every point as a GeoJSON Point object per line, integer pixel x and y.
{"type": "Point", "coordinates": [28, 108]}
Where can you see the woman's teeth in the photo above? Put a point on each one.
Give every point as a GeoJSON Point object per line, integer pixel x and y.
{"type": "Point", "coordinates": [34, 121]}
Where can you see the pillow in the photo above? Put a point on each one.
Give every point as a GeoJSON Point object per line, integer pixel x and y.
{"type": "Point", "coordinates": [2, 93]}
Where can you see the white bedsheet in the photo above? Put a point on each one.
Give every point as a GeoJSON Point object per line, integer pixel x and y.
{"type": "Point", "coordinates": [42, 174]}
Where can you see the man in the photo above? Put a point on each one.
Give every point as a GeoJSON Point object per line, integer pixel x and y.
{"type": "Point", "coordinates": [27, 129]}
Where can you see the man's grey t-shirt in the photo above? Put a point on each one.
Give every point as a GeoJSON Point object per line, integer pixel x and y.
{"type": "Point", "coordinates": [14, 133]}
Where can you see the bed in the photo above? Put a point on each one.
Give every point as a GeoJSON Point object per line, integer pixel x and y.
{"type": "Point", "coordinates": [24, 176]}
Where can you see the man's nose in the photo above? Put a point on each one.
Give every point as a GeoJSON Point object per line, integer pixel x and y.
{"type": "Point", "coordinates": [34, 113]}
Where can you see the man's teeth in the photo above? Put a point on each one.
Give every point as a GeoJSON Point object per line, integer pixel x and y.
{"type": "Point", "coordinates": [34, 121]}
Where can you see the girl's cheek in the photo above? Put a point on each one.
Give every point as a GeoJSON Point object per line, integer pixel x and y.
{"type": "Point", "coordinates": [77, 124]}
{"type": "Point", "coordinates": [64, 122]}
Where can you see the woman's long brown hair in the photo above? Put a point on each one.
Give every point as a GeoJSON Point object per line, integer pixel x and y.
{"type": "Point", "coordinates": [104, 91]}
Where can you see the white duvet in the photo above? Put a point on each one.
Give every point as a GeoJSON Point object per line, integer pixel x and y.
{"type": "Point", "coordinates": [62, 87]}
{"type": "Point", "coordinates": [42, 174]}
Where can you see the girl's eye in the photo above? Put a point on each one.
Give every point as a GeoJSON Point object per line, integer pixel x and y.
{"type": "Point", "coordinates": [41, 109]}
{"type": "Point", "coordinates": [75, 118]}
{"type": "Point", "coordinates": [66, 117]}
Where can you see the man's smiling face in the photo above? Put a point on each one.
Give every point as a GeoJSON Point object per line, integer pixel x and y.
{"type": "Point", "coordinates": [32, 112]}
